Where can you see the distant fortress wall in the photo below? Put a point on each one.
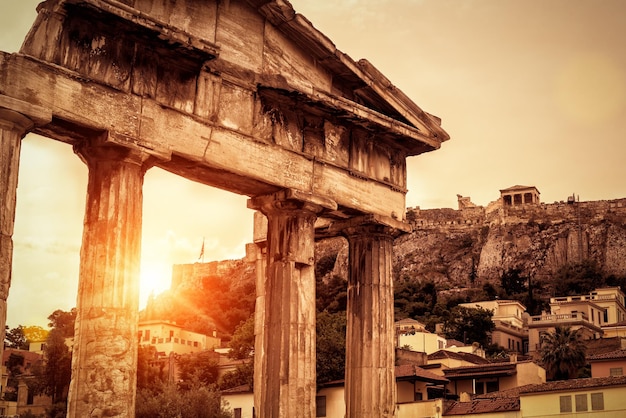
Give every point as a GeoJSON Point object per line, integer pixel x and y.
{"type": "Point", "coordinates": [496, 212]}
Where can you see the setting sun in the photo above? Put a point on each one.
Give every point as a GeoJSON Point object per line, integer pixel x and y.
{"type": "Point", "coordinates": [155, 278]}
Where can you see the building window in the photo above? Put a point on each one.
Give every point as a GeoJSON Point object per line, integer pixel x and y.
{"type": "Point", "coordinates": [565, 403]}
{"type": "Point", "coordinates": [479, 388]}
{"type": "Point", "coordinates": [581, 402]}
{"type": "Point", "coordinates": [417, 396]}
{"type": "Point", "coordinates": [493, 386]}
{"type": "Point", "coordinates": [320, 406]}
{"type": "Point", "coordinates": [237, 413]}
{"type": "Point", "coordinates": [616, 371]}
{"type": "Point", "coordinates": [597, 401]}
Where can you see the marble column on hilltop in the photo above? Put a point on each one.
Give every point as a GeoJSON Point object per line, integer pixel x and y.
{"type": "Point", "coordinates": [287, 384]}
{"type": "Point", "coordinates": [104, 358]}
{"type": "Point", "coordinates": [17, 118]}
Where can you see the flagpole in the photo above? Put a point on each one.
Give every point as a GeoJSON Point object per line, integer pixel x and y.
{"type": "Point", "coordinates": [201, 257]}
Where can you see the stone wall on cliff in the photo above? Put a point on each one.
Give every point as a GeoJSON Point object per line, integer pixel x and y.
{"type": "Point", "coordinates": [472, 246]}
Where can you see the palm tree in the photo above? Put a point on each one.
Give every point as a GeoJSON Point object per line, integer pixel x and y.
{"type": "Point", "coordinates": [563, 353]}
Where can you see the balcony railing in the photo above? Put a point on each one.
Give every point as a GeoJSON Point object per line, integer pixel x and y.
{"type": "Point", "coordinates": [561, 317]}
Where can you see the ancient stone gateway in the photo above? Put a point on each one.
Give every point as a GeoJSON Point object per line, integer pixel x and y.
{"type": "Point", "coordinates": [244, 95]}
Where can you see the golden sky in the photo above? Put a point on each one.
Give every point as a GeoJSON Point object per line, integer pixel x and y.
{"type": "Point", "coordinates": [531, 92]}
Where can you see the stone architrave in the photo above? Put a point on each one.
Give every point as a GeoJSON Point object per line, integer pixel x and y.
{"type": "Point", "coordinates": [370, 381]}
{"type": "Point", "coordinates": [104, 358]}
{"type": "Point", "coordinates": [285, 375]}
{"type": "Point", "coordinates": [16, 119]}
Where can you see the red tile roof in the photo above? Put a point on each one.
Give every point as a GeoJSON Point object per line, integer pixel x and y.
{"type": "Point", "coordinates": [470, 358]}
{"type": "Point", "coordinates": [611, 355]}
{"type": "Point", "coordinates": [412, 372]}
{"type": "Point", "coordinates": [507, 393]}
{"type": "Point", "coordinates": [482, 406]}
{"type": "Point", "coordinates": [575, 384]}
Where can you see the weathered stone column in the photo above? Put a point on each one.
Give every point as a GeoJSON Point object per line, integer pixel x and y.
{"type": "Point", "coordinates": [105, 349]}
{"type": "Point", "coordinates": [257, 254]}
{"type": "Point", "coordinates": [370, 388]}
{"type": "Point", "coordinates": [16, 119]}
{"type": "Point", "coordinates": [287, 381]}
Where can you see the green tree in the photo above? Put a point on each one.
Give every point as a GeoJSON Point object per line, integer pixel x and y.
{"type": "Point", "coordinates": [413, 299]}
{"type": "Point", "coordinates": [469, 325]}
{"type": "Point", "coordinates": [16, 338]}
{"type": "Point", "coordinates": [150, 373]}
{"type": "Point", "coordinates": [331, 346]}
{"type": "Point", "coordinates": [53, 377]}
{"type": "Point", "coordinates": [562, 353]}
{"type": "Point", "coordinates": [63, 321]}
{"type": "Point", "coordinates": [200, 401]}
{"type": "Point", "coordinates": [201, 367]}
{"type": "Point", "coordinates": [242, 343]}
{"type": "Point", "coordinates": [242, 375]}
{"type": "Point", "coordinates": [578, 278]}
{"type": "Point", "coordinates": [57, 369]}
{"type": "Point", "coordinates": [514, 282]}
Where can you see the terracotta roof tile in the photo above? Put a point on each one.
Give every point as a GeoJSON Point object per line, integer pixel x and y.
{"type": "Point", "coordinates": [602, 345]}
{"type": "Point", "coordinates": [471, 358]}
{"type": "Point", "coordinates": [411, 371]}
{"type": "Point", "coordinates": [611, 355]}
{"type": "Point", "coordinates": [507, 393]}
{"type": "Point", "coordinates": [482, 406]}
{"type": "Point", "coordinates": [575, 384]}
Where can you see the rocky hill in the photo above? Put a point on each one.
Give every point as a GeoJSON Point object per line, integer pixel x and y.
{"type": "Point", "coordinates": [462, 250]}
{"type": "Point", "coordinates": [475, 245]}
{"type": "Point", "coordinates": [458, 250]}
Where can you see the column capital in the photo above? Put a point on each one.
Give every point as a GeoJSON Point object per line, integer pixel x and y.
{"type": "Point", "coordinates": [368, 224]}
{"type": "Point", "coordinates": [99, 151]}
{"type": "Point", "coordinates": [22, 116]}
{"type": "Point", "coordinates": [291, 199]}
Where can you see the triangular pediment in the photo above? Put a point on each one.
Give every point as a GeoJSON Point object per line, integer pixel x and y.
{"type": "Point", "coordinates": [359, 82]}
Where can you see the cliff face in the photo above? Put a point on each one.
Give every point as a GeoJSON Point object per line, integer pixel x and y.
{"type": "Point", "coordinates": [476, 245]}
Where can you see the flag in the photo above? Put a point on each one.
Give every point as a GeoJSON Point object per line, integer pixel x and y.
{"type": "Point", "coordinates": [201, 257]}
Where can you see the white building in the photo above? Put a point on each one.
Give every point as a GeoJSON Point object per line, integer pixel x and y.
{"type": "Point", "coordinates": [168, 337]}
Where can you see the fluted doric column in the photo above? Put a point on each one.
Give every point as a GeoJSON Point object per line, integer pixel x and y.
{"type": "Point", "coordinates": [17, 118]}
{"type": "Point", "coordinates": [104, 359]}
{"type": "Point", "coordinates": [257, 253]}
{"type": "Point", "coordinates": [287, 381]}
{"type": "Point", "coordinates": [370, 388]}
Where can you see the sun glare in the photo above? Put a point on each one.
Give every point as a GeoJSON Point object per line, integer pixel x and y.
{"type": "Point", "coordinates": [155, 278]}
